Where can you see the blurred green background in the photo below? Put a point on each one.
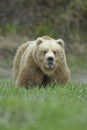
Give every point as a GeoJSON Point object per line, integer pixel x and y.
{"type": "Point", "coordinates": [58, 18]}
{"type": "Point", "coordinates": [49, 108]}
{"type": "Point", "coordinates": [23, 20]}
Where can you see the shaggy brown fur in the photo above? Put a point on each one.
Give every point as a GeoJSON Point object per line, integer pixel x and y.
{"type": "Point", "coordinates": [17, 59]}
{"type": "Point", "coordinates": [30, 69]}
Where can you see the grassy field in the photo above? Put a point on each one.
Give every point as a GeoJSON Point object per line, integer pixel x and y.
{"type": "Point", "coordinates": [43, 109]}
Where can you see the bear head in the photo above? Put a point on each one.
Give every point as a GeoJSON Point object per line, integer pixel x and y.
{"type": "Point", "coordinates": [49, 54]}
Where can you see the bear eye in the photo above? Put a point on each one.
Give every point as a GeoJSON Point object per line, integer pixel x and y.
{"type": "Point", "coordinates": [44, 52]}
{"type": "Point", "coordinates": [54, 52]}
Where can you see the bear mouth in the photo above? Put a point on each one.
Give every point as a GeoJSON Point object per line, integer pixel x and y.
{"type": "Point", "coordinates": [49, 65]}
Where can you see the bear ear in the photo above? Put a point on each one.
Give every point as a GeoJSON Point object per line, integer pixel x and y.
{"type": "Point", "coordinates": [39, 41]}
{"type": "Point", "coordinates": [60, 42]}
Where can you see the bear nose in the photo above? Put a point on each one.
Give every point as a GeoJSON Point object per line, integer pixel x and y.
{"type": "Point", "coordinates": [50, 59]}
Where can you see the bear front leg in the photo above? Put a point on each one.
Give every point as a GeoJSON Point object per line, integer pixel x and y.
{"type": "Point", "coordinates": [29, 78]}
{"type": "Point", "coordinates": [22, 79]}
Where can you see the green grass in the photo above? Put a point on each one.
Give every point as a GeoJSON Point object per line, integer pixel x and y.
{"type": "Point", "coordinates": [43, 109]}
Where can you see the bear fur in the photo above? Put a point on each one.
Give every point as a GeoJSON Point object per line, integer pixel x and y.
{"type": "Point", "coordinates": [41, 62]}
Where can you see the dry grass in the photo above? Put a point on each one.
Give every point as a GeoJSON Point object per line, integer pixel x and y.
{"type": "Point", "coordinates": [9, 44]}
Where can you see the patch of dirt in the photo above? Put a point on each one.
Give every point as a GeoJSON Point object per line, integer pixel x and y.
{"type": "Point", "coordinates": [80, 77]}
{"type": "Point", "coordinates": [6, 74]}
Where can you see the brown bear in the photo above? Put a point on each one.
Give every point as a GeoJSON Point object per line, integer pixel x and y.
{"type": "Point", "coordinates": [41, 62]}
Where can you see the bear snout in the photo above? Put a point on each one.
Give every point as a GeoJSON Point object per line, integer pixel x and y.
{"type": "Point", "coordinates": [50, 59]}
{"type": "Point", "coordinates": [50, 62]}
